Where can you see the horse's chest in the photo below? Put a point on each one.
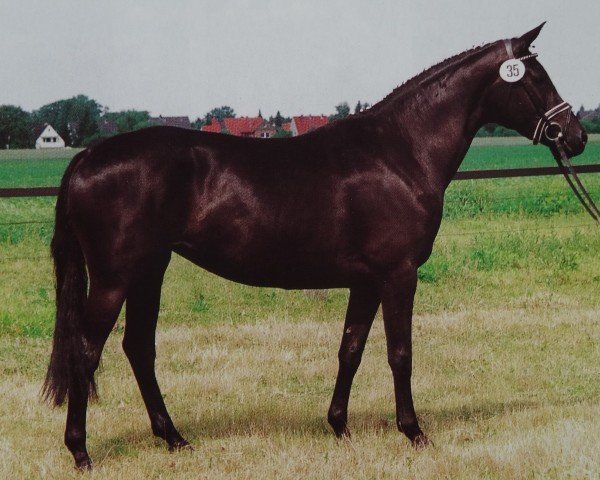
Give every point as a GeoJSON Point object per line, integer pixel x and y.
{"type": "Point", "coordinates": [404, 227]}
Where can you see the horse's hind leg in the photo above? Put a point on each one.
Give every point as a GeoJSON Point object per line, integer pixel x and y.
{"type": "Point", "coordinates": [143, 302]}
{"type": "Point", "coordinates": [362, 308]}
{"type": "Point", "coordinates": [102, 308]}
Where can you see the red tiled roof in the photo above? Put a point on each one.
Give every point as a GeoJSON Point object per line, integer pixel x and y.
{"type": "Point", "coordinates": [287, 126]}
{"type": "Point", "coordinates": [214, 126]}
{"type": "Point", "coordinates": [243, 126]}
{"type": "Point", "coordinates": [307, 123]}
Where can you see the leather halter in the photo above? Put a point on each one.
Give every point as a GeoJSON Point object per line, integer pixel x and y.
{"type": "Point", "coordinates": [546, 127]}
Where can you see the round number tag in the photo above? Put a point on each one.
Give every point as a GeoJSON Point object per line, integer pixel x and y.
{"type": "Point", "coordinates": [512, 70]}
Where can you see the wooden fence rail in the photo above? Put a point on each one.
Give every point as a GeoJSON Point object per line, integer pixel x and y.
{"type": "Point", "coordinates": [462, 175]}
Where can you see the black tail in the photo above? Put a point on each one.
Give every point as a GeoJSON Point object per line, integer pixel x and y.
{"type": "Point", "coordinates": [68, 368]}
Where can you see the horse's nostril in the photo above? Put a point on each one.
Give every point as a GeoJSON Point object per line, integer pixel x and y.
{"type": "Point", "coordinates": [584, 137]}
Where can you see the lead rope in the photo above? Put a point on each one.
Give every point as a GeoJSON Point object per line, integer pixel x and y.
{"type": "Point", "coordinates": [566, 167]}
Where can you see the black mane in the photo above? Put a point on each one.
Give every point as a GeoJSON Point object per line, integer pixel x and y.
{"type": "Point", "coordinates": [420, 80]}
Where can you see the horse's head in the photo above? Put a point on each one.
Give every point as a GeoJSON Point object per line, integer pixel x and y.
{"type": "Point", "coordinates": [522, 97]}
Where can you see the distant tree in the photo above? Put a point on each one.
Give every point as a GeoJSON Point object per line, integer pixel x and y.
{"type": "Point", "coordinates": [259, 113]}
{"type": "Point", "coordinates": [129, 120]}
{"type": "Point", "coordinates": [219, 112]}
{"type": "Point", "coordinates": [94, 139]}
{"type": "Point", "coordinates": [342, 111]}
{"type": "Point", "coordinates": [15, 127]}
{"type": "Point", "coordinates": [281, 133]}
{"type": "Point", "coordinates": [501, 131]}
{"type": "Point", "coordinates": [591, 125]}
{"type": "Point", "coordinates": [278, 120]}
{"type": "Point", "coordinates": [488, 129]}
{"type": "Point", "coordinates": [198, 123]}
{"type": "Point", "coordinates": [74, 119]}
{"type": "Point", "coordinates": [358, 107]}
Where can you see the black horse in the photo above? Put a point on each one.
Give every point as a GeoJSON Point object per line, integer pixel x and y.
{"type": "Point", "coordinates": [356, 204]}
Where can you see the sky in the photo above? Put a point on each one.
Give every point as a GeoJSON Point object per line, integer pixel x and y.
{"type": "Point", "coordinates": [184, 57]}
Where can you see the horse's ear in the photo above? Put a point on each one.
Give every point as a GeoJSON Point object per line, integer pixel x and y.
{"type": "Point", "coordinates": [526, 39]}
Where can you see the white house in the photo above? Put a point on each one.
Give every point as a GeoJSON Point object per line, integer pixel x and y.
{"type": "Point", "coordinates": [47, 137]}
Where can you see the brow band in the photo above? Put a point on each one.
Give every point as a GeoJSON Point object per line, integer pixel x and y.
{"type": "Point", "coordinates": [527, 57]}
{"type": "Point", "coordinates": [509, 51]}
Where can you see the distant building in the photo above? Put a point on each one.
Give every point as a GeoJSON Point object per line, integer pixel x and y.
{"type": "Point", "coordinates": [47, 137]}
{"type": "Point", "coordinates": [266, 130]}
{"type": "Point", "coordinates": [108, 127]}
{"type": "Point", "coordinates": [243, 126]}
{"type": "Point", "coordinates": [214, 126]}
{"type": "Point", "coordinates": [306, 123]}
{"type": "Point", "coordinates": [181, 122]}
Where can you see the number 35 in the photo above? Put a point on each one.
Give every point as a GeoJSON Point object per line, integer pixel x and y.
{"type": "Point", "coordinates": [513, 70]}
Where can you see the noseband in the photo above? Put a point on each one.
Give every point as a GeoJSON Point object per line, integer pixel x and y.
{"type": "Point", "coordinates": [553, 132]}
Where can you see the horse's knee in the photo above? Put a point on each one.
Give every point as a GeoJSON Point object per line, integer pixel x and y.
{"type": "Point", "coordinates": [350, 356]}
{"type": "Point", "coordinates": [136, 350]}
{"type": "Point", "coordinates": [400, 361]}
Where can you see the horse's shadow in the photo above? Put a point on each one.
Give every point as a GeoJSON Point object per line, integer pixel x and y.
{"type": "Point", "coordinates": [255, 421]}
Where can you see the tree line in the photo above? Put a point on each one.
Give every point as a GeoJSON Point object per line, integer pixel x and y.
{"type": "Point", "coordinates": [82, 121]}
{"type": "Point", "coordinates": [79, 120]}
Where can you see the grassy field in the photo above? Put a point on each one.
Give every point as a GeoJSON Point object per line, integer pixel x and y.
{"type": "Point", "coordinates": [506, 357]}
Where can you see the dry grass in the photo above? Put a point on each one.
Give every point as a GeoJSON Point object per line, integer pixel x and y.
{"type": "Point", "coordinates": [503, 394]}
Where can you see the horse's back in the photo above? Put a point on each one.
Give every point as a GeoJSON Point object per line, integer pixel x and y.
{"type": "Point", "coordinates": [219, 199]}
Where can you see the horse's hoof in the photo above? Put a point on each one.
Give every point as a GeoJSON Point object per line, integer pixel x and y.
{"type": "Point", "coordinates": [84, 465]}
{"type": "Point", "coordinates": [341, 432]}
{"type": "Point", "coordinates": [421, 441]}
{"type": "Point", "coordinates": [180, 445]}
{"type": "Point", "coordinates": [344, 434]}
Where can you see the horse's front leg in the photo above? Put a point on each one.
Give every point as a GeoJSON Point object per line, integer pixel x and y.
{"type": "Point", "coordinates": [362, 307]}
{"type": "Point", "coordinates": [397, 304]}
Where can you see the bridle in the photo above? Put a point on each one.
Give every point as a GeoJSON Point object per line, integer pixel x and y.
{"type": "Point", "coordinates": [553, 132]}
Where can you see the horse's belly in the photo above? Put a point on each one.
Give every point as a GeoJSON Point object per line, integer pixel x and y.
{"type": "Point", "coordinates": [280, 269]}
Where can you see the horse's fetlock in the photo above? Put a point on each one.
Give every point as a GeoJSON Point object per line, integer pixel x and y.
{"type": "Point", "coordinates": [338, 419]}
{"type": "Point", "coordinates": [409, 428]}
{"type": "Point", "coordinates": [75, 440]}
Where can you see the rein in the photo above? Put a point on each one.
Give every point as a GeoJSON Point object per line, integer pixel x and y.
{"type": "Point", "coordinates": [553, 132]}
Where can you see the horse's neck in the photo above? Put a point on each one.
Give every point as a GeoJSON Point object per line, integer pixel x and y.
{"type": "Point", "coordinates": [441, 121]}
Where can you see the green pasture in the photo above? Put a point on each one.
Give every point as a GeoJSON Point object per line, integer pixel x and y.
{"type": "Point", "coordinates": [33, 168]}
